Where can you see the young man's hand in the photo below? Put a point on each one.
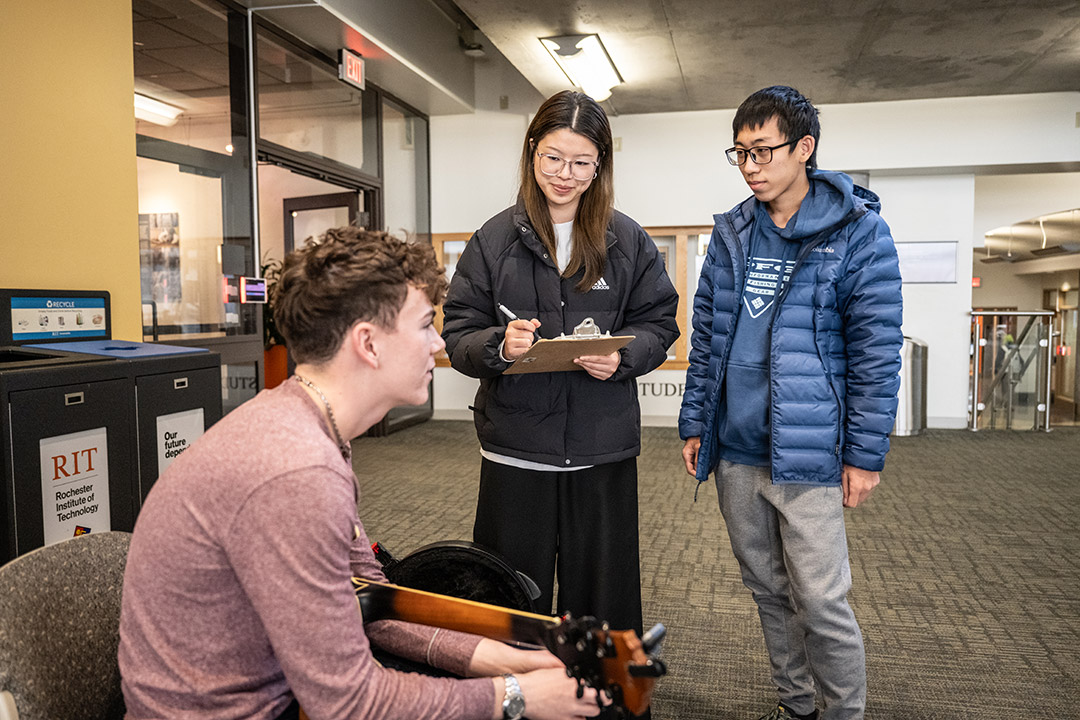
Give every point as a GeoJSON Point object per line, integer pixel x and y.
{"type": "Point", "coordinates": [858, 484]}
{"type": "Point", "coordinates": [551, 695]}
{"type": "Point", "coordinates": [689, 454]}
{"type": "Point", "coordinates": [492, 657]}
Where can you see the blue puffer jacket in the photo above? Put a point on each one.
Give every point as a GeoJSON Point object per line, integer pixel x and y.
{"type": "Point", "coordinates": [835, 341]}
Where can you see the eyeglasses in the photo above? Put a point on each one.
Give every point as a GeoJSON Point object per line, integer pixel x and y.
{"type": "Point", "coordinates": [760, 155]}
{"type": "Point", "coordinates": [552, 165]}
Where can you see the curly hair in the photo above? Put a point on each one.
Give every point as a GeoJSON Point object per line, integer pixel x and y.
{"type": "Point", "coordinates": [349, 275]}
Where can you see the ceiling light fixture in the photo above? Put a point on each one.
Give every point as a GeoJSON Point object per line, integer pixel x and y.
{"type": "Point", "coordinates": [586, 63]}
{"type": "Point", "coordinates": [155, 111]}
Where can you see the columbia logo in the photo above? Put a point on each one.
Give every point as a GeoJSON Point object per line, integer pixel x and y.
{"type": "Point", "coordinates": [601, 284]}
{"type": "Point", "coordinates": [823, 249]}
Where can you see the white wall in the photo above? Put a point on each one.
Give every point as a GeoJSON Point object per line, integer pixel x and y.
{"type": "Point", "coordinates": [1001, 287]}
{"type": "Point", "coordinates": [921, 156]}
{"type": "Point", "coordinates": [936, 209]}
{"type": "Point", "coordinates": [1001, 200]}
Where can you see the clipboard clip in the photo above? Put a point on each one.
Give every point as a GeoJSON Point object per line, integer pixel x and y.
{"type": "Point", "coordinates": [587, 329]}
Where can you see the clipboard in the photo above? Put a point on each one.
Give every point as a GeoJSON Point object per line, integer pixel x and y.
{"type": "Point", "coordinates": [557, 354]}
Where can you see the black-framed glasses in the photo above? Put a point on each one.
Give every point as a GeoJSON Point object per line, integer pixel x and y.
{"type": "Point", "coordinates": [552, 165]}
{"type": "Point", "coordinates": [760, 155]}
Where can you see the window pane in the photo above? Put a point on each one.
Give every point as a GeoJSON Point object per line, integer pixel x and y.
{"type": "Point", "coordinates": [305, 107]}
{"type": "Point", "coordinates": [666, 245]}
{"type": "Point", "coordinates": [180, 233]}
{"type": "Point", "coordinates": [406, 189]}
{"type": "Point", "coordinates": [278, 187]}
{"type": "Point", "coordinates": [182, 74]}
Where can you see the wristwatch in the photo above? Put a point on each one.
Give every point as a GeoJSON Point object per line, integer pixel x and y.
{"type": "Point", "coordinates": [513, 700]}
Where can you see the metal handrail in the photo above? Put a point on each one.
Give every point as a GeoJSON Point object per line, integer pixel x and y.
{"type": "Point", "coordinates": [982, 394]}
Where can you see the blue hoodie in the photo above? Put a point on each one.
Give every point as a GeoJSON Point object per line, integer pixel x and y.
{"type": "Point", "coordinates": [813, 387]}
{"type": "Point", "coordinates": [743, 421]}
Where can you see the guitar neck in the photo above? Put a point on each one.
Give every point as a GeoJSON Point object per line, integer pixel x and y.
{"type": "Point", "coordinates": [382, 601]}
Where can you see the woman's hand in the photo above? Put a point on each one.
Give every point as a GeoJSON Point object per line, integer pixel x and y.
{"type": "Point", "coordinates": [519, 338]}
{"type": "Point", "coordinates": [600, 367]}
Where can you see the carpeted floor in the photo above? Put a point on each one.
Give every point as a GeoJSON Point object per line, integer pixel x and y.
{"type": "Point", "coordinates": [966, 566]}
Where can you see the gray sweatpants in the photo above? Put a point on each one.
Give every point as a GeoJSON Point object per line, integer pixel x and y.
{"type": "Point", "coordinates": [792, 549]}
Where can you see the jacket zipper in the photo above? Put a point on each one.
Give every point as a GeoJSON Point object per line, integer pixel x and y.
{"type": "Point", "coordinates": [781, 294]}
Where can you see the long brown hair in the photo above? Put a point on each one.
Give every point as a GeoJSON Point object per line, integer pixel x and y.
{"type": "Point", "coordinates": [581, 114]}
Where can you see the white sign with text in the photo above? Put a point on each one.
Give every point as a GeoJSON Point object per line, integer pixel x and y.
{"type": "Point", "coordinates": [75, 484]}
{"type": "Point", "coordinates": [176, 433]}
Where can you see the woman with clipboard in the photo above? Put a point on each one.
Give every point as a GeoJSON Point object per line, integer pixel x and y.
{"type": "Point", "coordinates": [558, 478]}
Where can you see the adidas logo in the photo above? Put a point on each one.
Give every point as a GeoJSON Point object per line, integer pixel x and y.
{"type": "Point", "coordinates": [601, 284]}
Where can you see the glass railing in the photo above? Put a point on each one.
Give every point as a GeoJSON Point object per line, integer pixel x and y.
{"type": "Point", "coordinates": [1010, 370]}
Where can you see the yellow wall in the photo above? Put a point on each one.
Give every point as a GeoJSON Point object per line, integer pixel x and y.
{"type": "Point", "coordinates": [68, 193]}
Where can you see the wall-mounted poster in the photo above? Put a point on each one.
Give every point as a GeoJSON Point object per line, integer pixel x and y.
{"type": "Point", "coordinates": [159, 254]}
{"type": "Point", "coordinates": [927, 262]}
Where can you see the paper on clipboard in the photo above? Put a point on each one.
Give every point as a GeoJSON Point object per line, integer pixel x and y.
{"type": "Point", "coordinates": [557, 354]}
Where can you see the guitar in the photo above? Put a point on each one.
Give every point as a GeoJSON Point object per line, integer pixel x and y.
{"type": "Point", "coordinates": [616, 661]}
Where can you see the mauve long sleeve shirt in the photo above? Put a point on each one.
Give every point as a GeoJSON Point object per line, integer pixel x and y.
{"type": "Point", "coordinates": [237, 596]}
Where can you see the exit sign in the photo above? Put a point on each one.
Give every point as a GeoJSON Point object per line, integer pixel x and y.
{"type": "Point", "coordinates": [976, 281]}
{"type": "Point", "coordinates": [351, 67]}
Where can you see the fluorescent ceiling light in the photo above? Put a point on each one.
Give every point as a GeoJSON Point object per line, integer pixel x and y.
{"type": "Point", "coordinates": [586, 62]}
{"type": "Point", "coordinates": [155, 111]}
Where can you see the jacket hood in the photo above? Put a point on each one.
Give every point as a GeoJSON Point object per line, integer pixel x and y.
{"type": "Point", "coordinates": [832, 200]}
{"type": "Point", "coordinates": [829, 202]}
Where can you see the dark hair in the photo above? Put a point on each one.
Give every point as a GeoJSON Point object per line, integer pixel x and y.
{"type": "Point", "coordinates": [795, 115]}
{"type": "Point", "coordinates": [581, 114]}
{"type": "Point", "coordinates": [349, 275]}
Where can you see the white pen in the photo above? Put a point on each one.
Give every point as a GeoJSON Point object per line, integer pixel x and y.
{"type": "Point", "coordinates": [509, 313]}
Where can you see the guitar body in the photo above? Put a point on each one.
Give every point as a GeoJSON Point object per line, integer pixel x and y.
{"type": "Point", "coordinates": [615, 661]}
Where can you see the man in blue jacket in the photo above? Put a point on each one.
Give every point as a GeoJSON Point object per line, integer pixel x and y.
{"type": "Point", "coordinates": [791, 392]}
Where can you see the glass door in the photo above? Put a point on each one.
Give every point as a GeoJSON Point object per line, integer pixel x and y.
{"type": "Point", "coordinates": [1010, 370]}
{"type": "Point", "coordinates": [1066, 409]}
{"type": "Point", "coordinates": [195, 234]}
{"type": "Point", "coordinates": [310, 217]}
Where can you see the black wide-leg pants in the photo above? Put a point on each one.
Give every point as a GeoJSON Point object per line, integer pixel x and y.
{"type": "Point", "coordinates": [581, 525]}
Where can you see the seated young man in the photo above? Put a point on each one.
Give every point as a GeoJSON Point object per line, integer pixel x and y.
{"type": "Point", "coordinates": [237, 598]}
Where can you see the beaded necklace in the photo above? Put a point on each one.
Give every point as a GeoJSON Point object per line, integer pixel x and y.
{"type": "Point", "coordinates": [346, 451]}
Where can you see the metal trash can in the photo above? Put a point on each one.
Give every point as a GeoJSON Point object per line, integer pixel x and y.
{"type": "Point", "coordinates": [911, 410]}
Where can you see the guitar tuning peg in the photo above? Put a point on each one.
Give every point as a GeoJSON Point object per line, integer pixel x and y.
{"type": "Point", "coordinates": [651, 639]}
{"type": "Point", "coordinates": [654, 668]}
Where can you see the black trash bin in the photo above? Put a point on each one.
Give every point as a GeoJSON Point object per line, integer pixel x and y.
{"type": "Point", "coordinates": [82, 416]}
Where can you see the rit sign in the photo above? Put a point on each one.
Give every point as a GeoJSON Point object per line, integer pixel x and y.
{"type": "Point", "coordinates": [75, 463]}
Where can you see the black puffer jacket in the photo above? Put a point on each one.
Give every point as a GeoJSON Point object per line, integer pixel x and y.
{"type": "Point", "coordinates": [563, 418]}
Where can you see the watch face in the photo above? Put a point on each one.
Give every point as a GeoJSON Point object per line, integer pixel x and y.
{"type": "Point", "coordinates": [513, 707]}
